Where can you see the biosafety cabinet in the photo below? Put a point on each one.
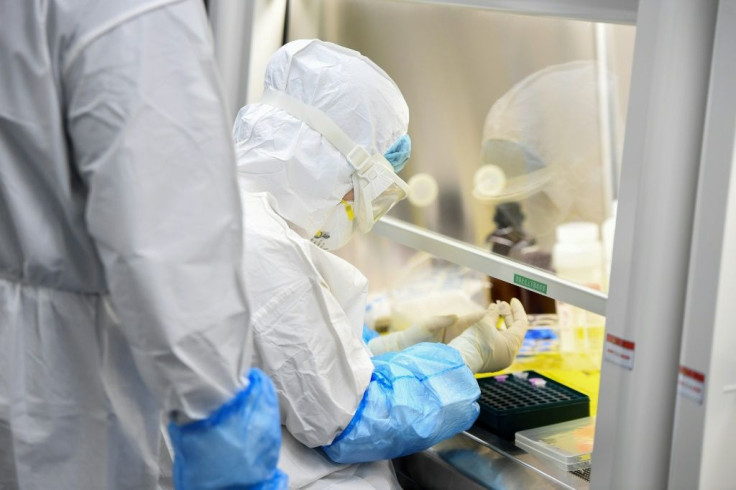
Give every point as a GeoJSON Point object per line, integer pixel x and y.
{"type": "Point", "coordinates": [605, 101]}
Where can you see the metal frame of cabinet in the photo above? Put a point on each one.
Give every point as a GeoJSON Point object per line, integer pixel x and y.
{"type": "Point", "coordinates": [705, 409]}
{"type": "Point", "coordinates": [661, 160]}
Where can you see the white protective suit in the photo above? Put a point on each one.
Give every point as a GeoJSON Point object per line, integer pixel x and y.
{"type": "Point", "coordinates": [308, 305]}
{"type": "Point", "coordinates": [120, 239]}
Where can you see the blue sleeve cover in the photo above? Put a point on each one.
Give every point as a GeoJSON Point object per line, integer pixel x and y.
{"type": "Point", "coordinates": [416, 398]}
{"type": "Point", "coordinates": [237, 446]}
{"type": "Point", "coordinates": [369, 334]}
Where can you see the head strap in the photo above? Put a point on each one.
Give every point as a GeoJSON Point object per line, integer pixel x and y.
{"type": "Point", "coordinates": [356, 155]}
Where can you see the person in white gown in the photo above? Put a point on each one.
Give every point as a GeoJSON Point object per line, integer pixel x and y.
{"type": "Point", "coordinates": [121, 291]}
{"type": "Point", "coordinates": [316, 160]}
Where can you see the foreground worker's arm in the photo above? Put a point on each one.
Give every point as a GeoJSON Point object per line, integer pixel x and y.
{"type": "Point", "coordinates": [441, 328]}
{"type": "Point", "coordinates": [331, 392]}
{"type": "Point", "coordinates": [416, 398]}
{"type": "Point", "coordinates": [152, 149]}
{"type": "Point", "coordinates": [427, 392]}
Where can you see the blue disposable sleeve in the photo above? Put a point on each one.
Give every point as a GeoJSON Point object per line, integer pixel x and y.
{"type": "Point", "coordinates": [416, 398]}
{"type": "Point", "coordinates": [369, 334]}
{"type": "Point", "coordinates": [235, 447]}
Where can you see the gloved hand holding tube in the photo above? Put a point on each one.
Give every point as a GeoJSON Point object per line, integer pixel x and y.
{"type": "Point", "coordinates": [440, 328]}
{"type": "Point", "coordinates": [485, 348]}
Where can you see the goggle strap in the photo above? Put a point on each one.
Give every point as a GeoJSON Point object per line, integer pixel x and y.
{"type": "Point", "coordinates": [320, 122]}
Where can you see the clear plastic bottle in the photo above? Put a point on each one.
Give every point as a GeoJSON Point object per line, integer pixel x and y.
{"type": "Point", "coordinates": [578, 257]}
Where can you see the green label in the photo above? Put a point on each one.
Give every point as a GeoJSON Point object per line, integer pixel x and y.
{"type": "Point", "coordinates": [525, 282]}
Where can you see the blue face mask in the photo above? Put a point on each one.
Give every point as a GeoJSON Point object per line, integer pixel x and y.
{"type": "Point", "coordinates": [399, 153]}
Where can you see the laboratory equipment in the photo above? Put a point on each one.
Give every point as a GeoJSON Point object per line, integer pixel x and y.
{"type": "Point", "coordinates": [567, 445]}
{"type": "Point", "coordinates": [526, 400]}
{"type": "Point", "coordinates": [578, 256]}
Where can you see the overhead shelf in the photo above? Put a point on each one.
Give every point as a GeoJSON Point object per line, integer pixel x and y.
{"type": "Point", "coordinates": [497, 266]}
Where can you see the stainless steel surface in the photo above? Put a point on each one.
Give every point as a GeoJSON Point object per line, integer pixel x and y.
{"type": "Point", "coordinates": [494, 265]}
{"type": "Point", "coordinates": [427, 471]}
{"type": "Point", "coordinates": [560, 477]}
{"type": "Point", "coordinates": [595, 10]}
{"type": "Point", "coordinates": [479, 459]}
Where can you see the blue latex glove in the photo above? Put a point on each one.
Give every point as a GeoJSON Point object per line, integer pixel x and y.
{"type": "Point", "coordinates": [416, 398]}
{"type": "Point", "coordinates": [237, 446]}
{"type": "Point", "coordinates": [399, 153]}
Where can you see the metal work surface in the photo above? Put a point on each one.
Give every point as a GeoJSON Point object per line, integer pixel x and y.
{"type": "Point", "coordinates": [477, 459]}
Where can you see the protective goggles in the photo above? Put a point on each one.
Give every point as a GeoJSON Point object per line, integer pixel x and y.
{"type": "Point", "coordinates": [375, 184]}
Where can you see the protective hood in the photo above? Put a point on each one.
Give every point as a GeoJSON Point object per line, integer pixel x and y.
{"type": "Point", "coordinates": [280, 154]}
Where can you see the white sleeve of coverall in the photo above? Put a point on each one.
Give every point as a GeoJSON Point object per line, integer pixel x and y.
{"type": "Point", "coordinates": [306, 342]}
{"type": "Point", "coordinates": [152, 147]}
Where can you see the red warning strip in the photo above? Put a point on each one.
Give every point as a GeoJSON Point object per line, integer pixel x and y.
{"type": "Point", "coordinates": [691, 373]}
{"type": "Point", "coordinates": [691, 384]}
{"type": "Point", "coordinates": [626, 344]}
{"type": "Point", "coordinates": [619, 351]}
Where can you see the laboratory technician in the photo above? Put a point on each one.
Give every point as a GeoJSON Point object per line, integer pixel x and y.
{"type": "Point", "coordinates": [316, 159]}
{"type": "Point", "coordinates": [121, 296]}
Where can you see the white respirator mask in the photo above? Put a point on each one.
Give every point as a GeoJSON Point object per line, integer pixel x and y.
{"type": "Point", "coordinates": [338, 229]}
{"type": "Point", "coordinates": [375, 184]}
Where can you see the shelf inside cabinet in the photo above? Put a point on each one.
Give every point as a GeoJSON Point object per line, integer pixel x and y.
{"type": "Point", "coordinates": [461, 253]}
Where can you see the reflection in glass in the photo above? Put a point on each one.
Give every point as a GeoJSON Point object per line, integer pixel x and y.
{"type": "Point", "coordinates": [543, 142]}
{"type": "Point", "coordinates": [544, 137]}
{"type": "Point", "coordinates": [466, 84]}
